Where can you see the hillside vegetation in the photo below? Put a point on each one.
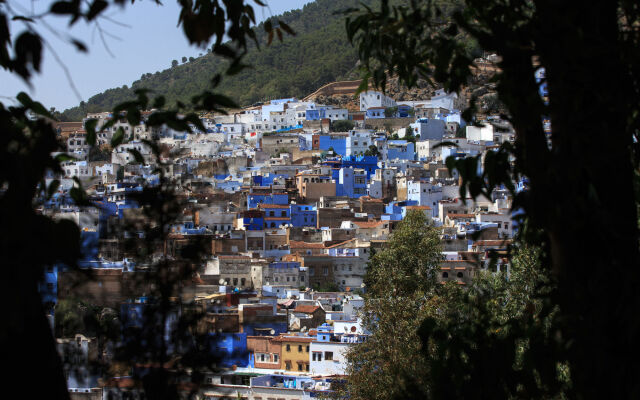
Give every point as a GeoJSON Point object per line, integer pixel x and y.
{"type": "Point", "coordinates": [318, 54]}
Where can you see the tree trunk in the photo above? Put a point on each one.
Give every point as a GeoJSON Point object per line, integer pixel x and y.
{"type": "Point", "coordinates": [588, 199]}
{"type": "Point", "coordinates": [27, 345]}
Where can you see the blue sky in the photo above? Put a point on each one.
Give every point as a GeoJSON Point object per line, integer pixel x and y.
{"type": "Point", "coordinates": [148, 43]}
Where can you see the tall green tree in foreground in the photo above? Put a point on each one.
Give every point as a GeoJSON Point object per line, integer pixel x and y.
{"type": "Point", "coordinates": [400, 282]}
{"type": "Point", "coordinates": [441, 341]}
{"type": "Point", "coordinates": [581, 206]}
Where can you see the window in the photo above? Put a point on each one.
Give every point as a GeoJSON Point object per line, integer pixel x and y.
{"type": "Point", "coordinates": [299, 348]}
{"type": "Point", "coordinates": [316, 356]}
{"type": "Point", "coordinates": [328, 355]}
{"type": "Point", "coordinates": [325, 271]}
{"type": "Point", "coordinates": [283, 214]}
{"type": "Point", "coordinates": [307, 367]}
{"type": "Point", "coordinates": [460, 274]}
{"type": "Point", "coordinates": [288, 349]}
{"type": "Point", "coordinates": [445, 274]}
{"type": "Point", "coordinates": [275, 357]}
{"type": "Point", "coordinates": [307, 349]}
{"type": "Point", "coordinates": [287, 365]}
{"type": "Point", "coordinates": [242, 281]}
{"type": "Point", "coordinates": [235, 281]}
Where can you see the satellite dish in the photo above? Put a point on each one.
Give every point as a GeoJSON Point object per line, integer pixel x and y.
{"type": "Point", "coordinates": [221, 281]}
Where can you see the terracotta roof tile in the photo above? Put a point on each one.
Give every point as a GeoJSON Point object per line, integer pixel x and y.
{"type": "Point", "coordinates": [273, 206]}
{"type": "Point", "coordinates": [306, 309]}
{"type": "Point", "coordinates": [299, 339]}
{"type": "Point", "coordinates": [368, 224]}
{"type": "Point", "coordinates": [454, 216]}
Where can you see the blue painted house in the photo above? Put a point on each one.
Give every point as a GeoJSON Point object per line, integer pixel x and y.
{"type": "Point", "coordinates": [375, 113]}
{"type": "Point", "coordinates": [400, 150]}
{"type": "Point", "coordinates": [48, 288]}
{"type": "Point", "coordinates": [252, 220]}
{"type": "Point", "coordinates": [276, 215]}
{"type": "Point", "coordinates": [337, 142]}
{"type": "Point", "coordinates": [266, 180]}
{"type": "Point", "coordinates": [230, 349]}
{"type": "Point", "coordinates": [368, 163]}
{"type": "Point", "coordinates": [352, 182]}
{"type": "Point", "coordinates": [255, 199]}
{"type": "Point", "coordinates": [303, 215]}
{"type": "Point", "coordinates": [395, 210]}
{"type": "Point", "coordinates": [404, 111]}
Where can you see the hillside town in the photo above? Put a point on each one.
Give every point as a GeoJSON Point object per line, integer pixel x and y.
{"type": "Point", "coordinates": [290, 199]}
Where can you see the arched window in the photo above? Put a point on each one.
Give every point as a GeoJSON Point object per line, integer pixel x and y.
{"type": "Point", "coordinates": [460, 274]}
{"type": "Point", "coordinates": [445, 274]}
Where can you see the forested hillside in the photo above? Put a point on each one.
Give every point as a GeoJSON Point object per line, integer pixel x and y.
{"type": "Point", "coordinates": [318, 54]}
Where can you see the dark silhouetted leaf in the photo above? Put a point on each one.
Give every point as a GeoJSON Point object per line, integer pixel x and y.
{"type": "Point", "coordinates": [117, 137]}
{"type": "Point", "coordinates": [137, 156]}
{"type": "Point", "coordinates": [90, 127]}
{"type": "Point", "coordinates": [96, 8]}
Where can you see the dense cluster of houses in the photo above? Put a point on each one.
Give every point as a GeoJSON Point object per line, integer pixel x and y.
{"type": "Point", "coordinates": [290, 211]}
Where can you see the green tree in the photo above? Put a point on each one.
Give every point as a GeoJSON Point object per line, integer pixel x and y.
{"type": "Point", "coordinates": [326, 287]}
{"type": "Point", "coordinates": [184, 59]}
{"type": "Point", "coordinates": [493, 325]}
{"type": "Point", "coordinates": [409, 136]}
{"type": "Point", "coordinates": [372, 151]}
{"type": "Point", "coordinates": [390, 112]}
{"type": "Point", "coordinates": [400, 280]}
{"type": "Point", "coordinates": [585, 228]}
{"type": "Point", "coordinates": [174, 63]}
{"type": "Point", "coordinates": [342, 125]}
